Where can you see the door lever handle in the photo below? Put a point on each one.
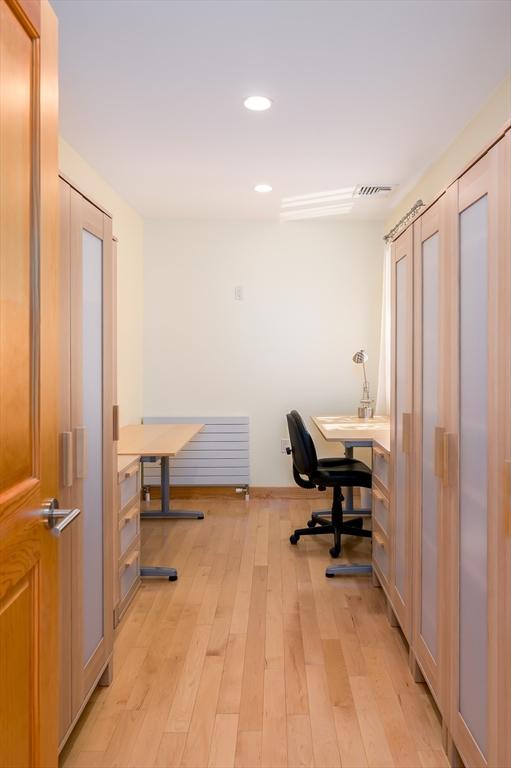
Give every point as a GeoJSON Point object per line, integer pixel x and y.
{"type": "Point", "coordinates": [58, 519]}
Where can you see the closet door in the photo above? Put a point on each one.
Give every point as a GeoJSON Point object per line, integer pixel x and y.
{"type": "Point", "coordinates": [91, 279]}
{"type": "Point", "coordinates": [401, 426]}
{"type": "Point", "coordinates": [477, 455]}
{"type": "Point", "coordinates": [66, 461]}
{"type": "Point", "coordinates": [431, 357]}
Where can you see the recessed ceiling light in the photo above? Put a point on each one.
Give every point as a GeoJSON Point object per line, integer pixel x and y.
{"type": "Point", "coordinates": [262, 188]}
{"type": "Point", "coordinates": [257, 103]}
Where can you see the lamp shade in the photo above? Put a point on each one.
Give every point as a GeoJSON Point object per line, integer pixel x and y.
{"type": "Point", "coordinates": [360, 357]}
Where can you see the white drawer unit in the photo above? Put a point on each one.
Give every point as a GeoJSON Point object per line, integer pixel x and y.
{"type": "Point", "coordinates": [129, 481]}
{"type": "Point", "coordinates": [127, 534]}
{"type": "Point", "coordinates": [381, 559]}
{"type": "Point", "coordinates": [381, 466]}
{"type": "Point", "coordinates": [381, 519]}
{"type": "Point", "coordinates": [129, 576]}
{"type": "Point", "coordinates": [381, 508]}
{"type": "Point", "coordinates": [129, 528]}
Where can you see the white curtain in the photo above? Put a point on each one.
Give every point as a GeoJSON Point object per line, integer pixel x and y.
{"type": "Point", "coordinates": [383, 393]}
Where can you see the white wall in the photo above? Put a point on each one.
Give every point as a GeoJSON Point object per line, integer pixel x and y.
{"type": "Point", "coordinates": [128, 227]}
{"type": "Point", "coordinates": [312, 294]}
{"type": "Point", "coordinates": [477, 134]}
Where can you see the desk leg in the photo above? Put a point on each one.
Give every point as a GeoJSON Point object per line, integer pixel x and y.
{"type": "Point", "coordinates": [166, 512]}
{"type": "Point", "coordinates": [350, 569]}
{"type": "Point", "coordinates": [348, 506]}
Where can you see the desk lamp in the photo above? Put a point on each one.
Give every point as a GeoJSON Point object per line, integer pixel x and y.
{"type": "Point", "coordinates": [365, 409]}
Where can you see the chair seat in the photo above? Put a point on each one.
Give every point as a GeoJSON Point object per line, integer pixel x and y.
{"type": "Point", "coordinates": [334, 461]}
{"type": "Point", "coordinates": [341, 471]}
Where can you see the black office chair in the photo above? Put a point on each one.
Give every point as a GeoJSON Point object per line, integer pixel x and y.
{"type": "Point", "coordinates": [322, 474]}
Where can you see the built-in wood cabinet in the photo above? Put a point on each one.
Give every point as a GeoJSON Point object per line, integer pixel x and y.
{"type": "Point", "coordinates": [87, 450]}
{"type": "Point", "coordinates": [475, 453]}
{"type": "Point", "coordinates": [381, 519]}
{"type": "Point", "coordinates": [400, 429]}
{"type": "Point", "coordinates": [431, 355]}
{"type": "Point", "coordinates": [449, 529]}
{"type": "Point", "coordinates": [127, 534]}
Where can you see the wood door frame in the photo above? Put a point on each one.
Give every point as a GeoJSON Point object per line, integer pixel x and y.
{"type": "Point", "coordinates": [402, 248]}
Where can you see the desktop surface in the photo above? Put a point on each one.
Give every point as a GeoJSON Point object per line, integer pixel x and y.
{"type": "Point", "coordinates": [352, 428]}
{"type": "Point", "coordinates": [155, 439]}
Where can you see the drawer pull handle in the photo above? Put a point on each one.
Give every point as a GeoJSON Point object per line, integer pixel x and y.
{"type": "Point", "coordinates": [130, 516]}
{"type": "Point", "coordinates": [378, 539]}
{"type": "Point", "coordinates": [380, 452]}
{"type": "Point", "coordinates": [130, 560]}
{"type": "Point", "coordinates": [380, 497]}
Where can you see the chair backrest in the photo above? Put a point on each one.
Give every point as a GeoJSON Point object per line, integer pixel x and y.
{"type": "Point", "coordinates": [305, 458]}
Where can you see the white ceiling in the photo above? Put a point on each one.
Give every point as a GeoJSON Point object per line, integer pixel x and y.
{"type": "Point", "coordinates": [365, 92]}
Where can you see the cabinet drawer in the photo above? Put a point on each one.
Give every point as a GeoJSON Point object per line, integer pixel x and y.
{"type": "Point", "coordinates": [129, 573]}
{"type": "Point", "coordinates": [129, 528]}
{"type": "Point", "coordinates": [381, 466]}
{"type": "Point", "coordinates": [381, 551]}
{"type": "Point", "coordinates": [129, 484]}
{"type": "Point", "coordinates": [381, 509]}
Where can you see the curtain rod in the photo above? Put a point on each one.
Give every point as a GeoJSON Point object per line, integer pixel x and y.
{"type": "Point", "coordinates": [404, 221]}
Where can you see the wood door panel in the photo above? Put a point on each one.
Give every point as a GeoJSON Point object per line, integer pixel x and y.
{"type": "Point", "coordinates": [17, 350]}
{"type": "Point", "coordinates": [28, 395]}
{"type": "Point", "coordinates": [17, 627]}
{"type": "Point", "coordinates": [400, 525]}
{"type": "Point", "coordinates": [86, 560]}
{"type": "Point", "coordinates": [477, 721]}
{"type": "Point", "coordinates": [429, 588]}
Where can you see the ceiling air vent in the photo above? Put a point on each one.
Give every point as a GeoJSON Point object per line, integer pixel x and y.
{"type": "Point", "coordinates": [368, 190]}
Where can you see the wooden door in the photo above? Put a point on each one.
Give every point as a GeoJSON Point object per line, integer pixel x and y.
{"type": "Point", "coordinates": [431, 359]}
{"type": "Point", "coordinates": [28, 383]}
{"type": "Point", "coordinates": [477, 456]}
{"type": "Point", "coordinates": [401, 427]}
{"type": "Point", "coordinates": [91, 409]}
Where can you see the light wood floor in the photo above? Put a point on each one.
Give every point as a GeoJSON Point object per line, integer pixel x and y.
{"type": "Point", "coordinates": [254, 659]}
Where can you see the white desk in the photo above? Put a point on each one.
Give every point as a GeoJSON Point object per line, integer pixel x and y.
{"type": "Point", "coordinates": [163, 440]}
{"type": "Point", "coordinates": [353, 432]}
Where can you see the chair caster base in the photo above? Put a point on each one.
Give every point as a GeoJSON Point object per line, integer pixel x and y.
{"type": "Point", "coordinates": [294, 539]}
{"type": "Point", "coordinates": [335, 551]}
{"type": "Point", "coordinates": [311, 523]}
